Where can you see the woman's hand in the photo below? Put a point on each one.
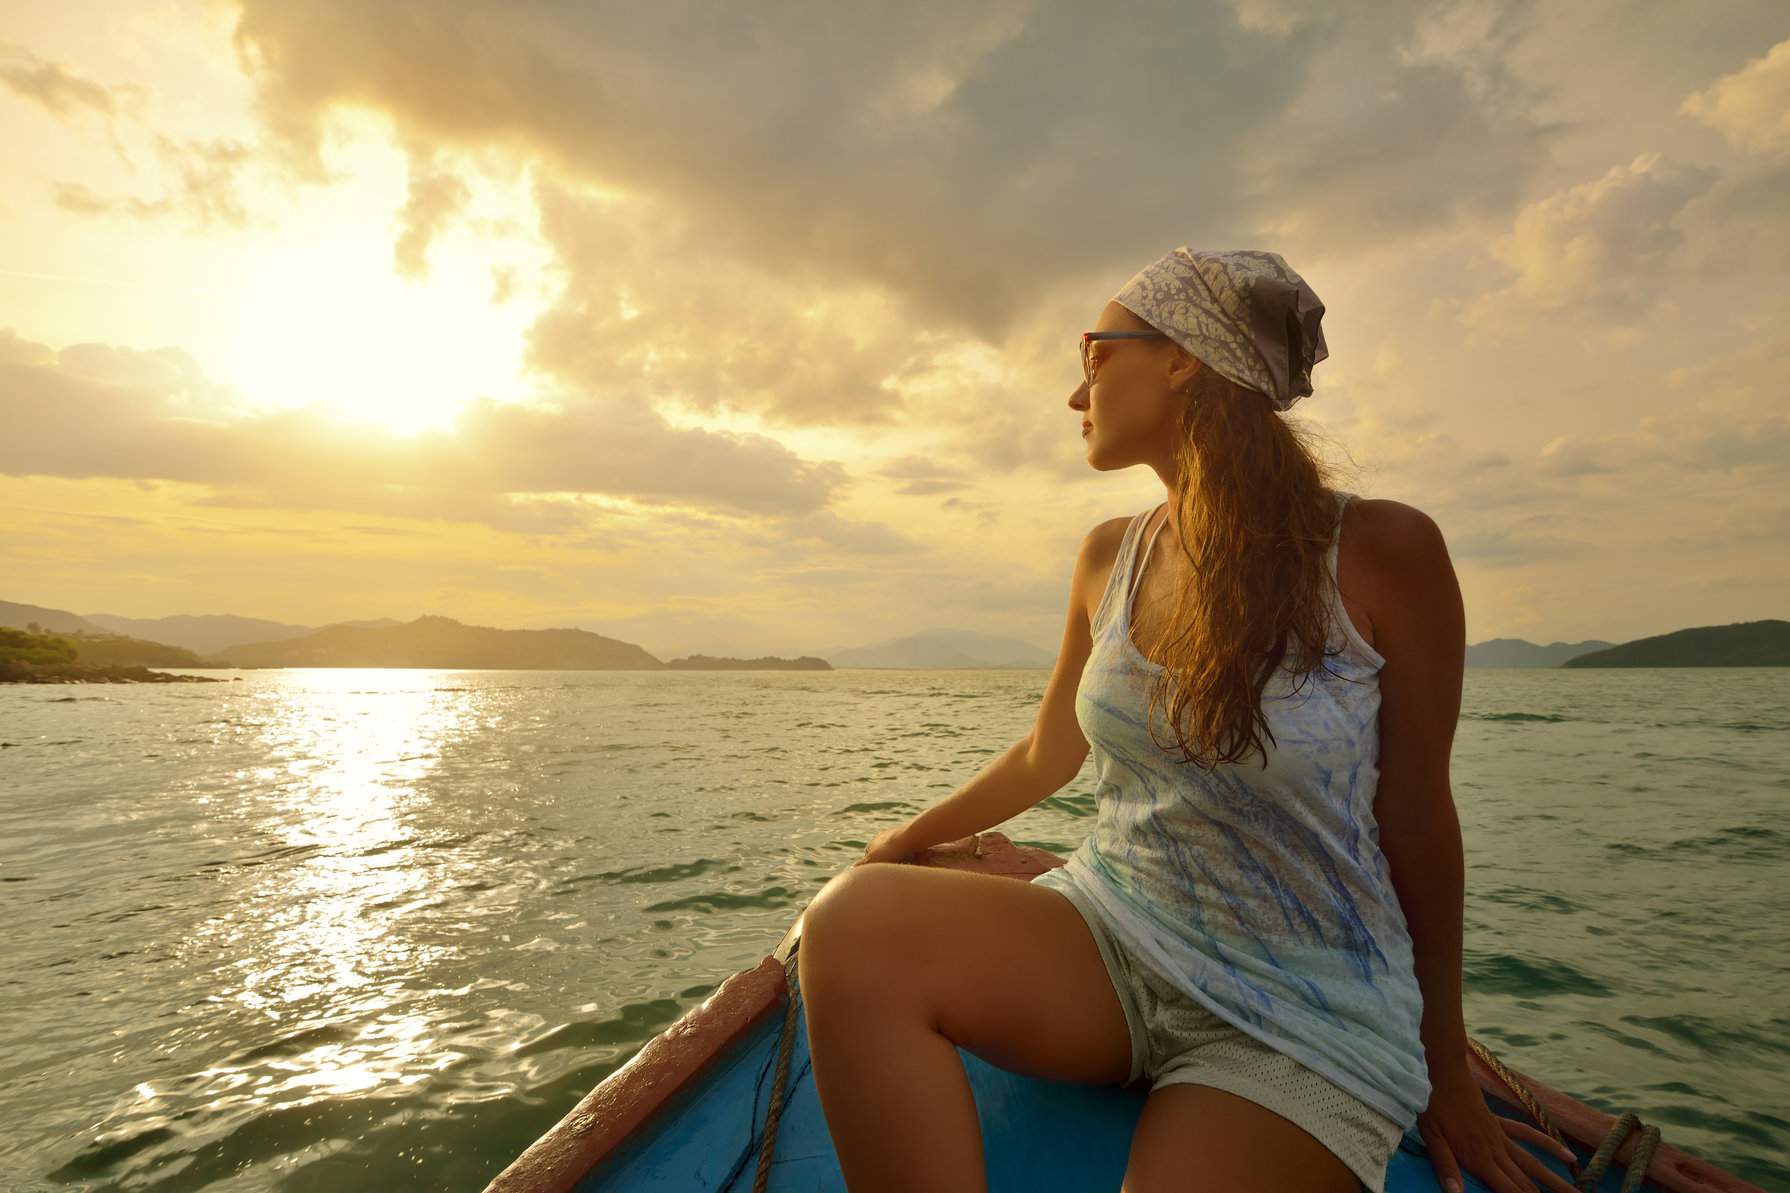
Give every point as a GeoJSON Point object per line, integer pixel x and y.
{"type": "Point", "coordinates": [887, 846]}
{"type": "Point", "coordinates": [1461, 1131]}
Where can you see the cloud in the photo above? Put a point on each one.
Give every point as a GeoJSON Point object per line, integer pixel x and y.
{"type": "Point", "coordinates": [1750, 107]}
{"type": "Point", "coordinates": [920, 476]}
{"type": "Point", "coordinates": [647, 305]}
{"type": "Point", "coordinates": [962, 162]}
{"type": "Point", "coordinates": [60, 90]}
{"type": "Point", "coordinates": [206, 177]}
{"type": "Point", "coordinates": [435, 197]}
{"type": "Point", "coordinates": [1503, 547]}
{"type": "Point", "coordinates": [97, 411]}
{"type": "Point", "coordinates": [1716, 420]}
{"type": "Point", "coordinates": [1598, 251]}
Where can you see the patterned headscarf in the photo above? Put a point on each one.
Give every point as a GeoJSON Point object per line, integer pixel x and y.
{"type": "Point", "coordinates": [1245, 314]}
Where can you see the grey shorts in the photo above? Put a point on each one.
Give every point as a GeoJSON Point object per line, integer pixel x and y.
{"type": "Point", "coordinates": [1176, 1039]}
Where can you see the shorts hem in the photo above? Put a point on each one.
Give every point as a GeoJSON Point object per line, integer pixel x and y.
{"type": "Point", "coordinates": [1115, 973]}
{"type": "Point", "coordinates": [1271, 1098]}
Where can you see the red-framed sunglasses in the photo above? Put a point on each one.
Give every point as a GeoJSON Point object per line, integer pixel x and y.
{"type": "Point", "coordinates": [1088, 338]}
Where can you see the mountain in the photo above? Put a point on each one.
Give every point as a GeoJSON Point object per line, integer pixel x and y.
{"type": "Point", "coordinates": [210, 634]}
{"type": "Point", "coordinates": [1742, 644]}
{"type": "Point", "coordinates": [50, 621]}
{"type": "Point", "coordinates": [442, 642]}
{"type": "Point", "coordinates": [944, 649]}
{"type": "Point", "coordinates": [1514, 652]}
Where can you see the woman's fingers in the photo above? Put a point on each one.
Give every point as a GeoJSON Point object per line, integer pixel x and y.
{"type": "Point", "coordinates": [1537, 1171]}
{"type": "Point", "coordinates": [1535, 1135]}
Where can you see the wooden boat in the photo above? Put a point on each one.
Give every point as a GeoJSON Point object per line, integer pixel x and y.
{"type": "Point", "coordinates": [704, 1103]}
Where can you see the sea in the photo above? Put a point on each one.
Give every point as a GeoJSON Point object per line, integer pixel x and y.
{"type": "Point", "coordinates": [376, 930]}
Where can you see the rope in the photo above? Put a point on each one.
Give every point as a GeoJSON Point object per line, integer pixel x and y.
{"type": "Point", "coordinates": [1519, 1089]}
{"type": "Point", "coordinates": [1593, 1171]}
{"type": "Point", "coordinates": [1637, 1163]}
{"type": "Point", "coordinates": [784, 1043]}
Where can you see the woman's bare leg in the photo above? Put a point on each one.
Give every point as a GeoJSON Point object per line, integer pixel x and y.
{"type": "Point", "coordinates": [899, 965]}
{"type": "Point", "coordinates": [1197, 1139]}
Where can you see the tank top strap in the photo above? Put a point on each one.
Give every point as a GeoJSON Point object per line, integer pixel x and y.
{"type": "Point", "coordinates": [1118, 585]}
{"type": "Point", "coordinates": [1342, 504]}
{"type": "Point", "coordinates": [1343, 627]}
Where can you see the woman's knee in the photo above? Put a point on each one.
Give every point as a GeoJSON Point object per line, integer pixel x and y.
{"type": "Point", "coordinates": [862, 915]}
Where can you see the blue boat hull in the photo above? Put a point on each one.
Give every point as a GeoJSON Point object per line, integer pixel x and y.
{"type": "Point", "coordinates": [688, 1112]}
{"type": "Point", "coordinates": [1037, 1136]}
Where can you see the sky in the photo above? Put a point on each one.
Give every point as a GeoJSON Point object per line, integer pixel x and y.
{"type": "Point", "coordinates": [750, 329]}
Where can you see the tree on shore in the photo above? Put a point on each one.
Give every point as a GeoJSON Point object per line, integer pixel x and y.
{"type": "Point", "coordinates": [24, 646]}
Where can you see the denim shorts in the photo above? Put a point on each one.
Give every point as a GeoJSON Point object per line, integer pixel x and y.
{"type": "Point", "coordinates": [1177, 1039]}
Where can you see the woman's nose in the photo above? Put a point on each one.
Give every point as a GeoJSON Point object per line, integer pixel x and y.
{"type": "Point", "coordinates": [1079, 399]}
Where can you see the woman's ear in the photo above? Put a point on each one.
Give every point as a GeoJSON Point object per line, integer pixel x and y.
{"type": "Point", "coordinates": [1182, 371]}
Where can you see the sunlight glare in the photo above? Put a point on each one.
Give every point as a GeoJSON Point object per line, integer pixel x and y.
{"type": "Point", "coordinates": [328, 320]}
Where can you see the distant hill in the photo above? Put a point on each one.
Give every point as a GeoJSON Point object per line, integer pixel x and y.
{"type": "Point", "coordinates": [50, 621]}
{"type": "Point", "coordinates": [1742, 644]}
{"type": "Point", "coordinates": [54, 658]}
{"type": "Point", "coordinates": [1514, 652]}
{"type": "Point", "coordinates": [215, 632]}
{"type": "Point", "coordinates": [445, 643]}
{"type": "Point", "coordinates": [703, 662]}
{"type": "Point", "coordinates": [118, 650]}
{"type": "Point", "coordinates": [945, 649]}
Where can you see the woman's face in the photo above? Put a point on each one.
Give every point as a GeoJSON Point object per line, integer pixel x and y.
{"type": "Point", "coordinates": [1131, 413]}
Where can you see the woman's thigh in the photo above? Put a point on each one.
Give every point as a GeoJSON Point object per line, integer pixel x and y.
{"type": "Point", "coordinates": [1004, 969]}
{"type": "Point", "coordinates": [1197, 1139]}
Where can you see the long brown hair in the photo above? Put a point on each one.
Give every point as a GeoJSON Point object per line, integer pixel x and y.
{"type": "Point", "coordinates": [1255, 513]}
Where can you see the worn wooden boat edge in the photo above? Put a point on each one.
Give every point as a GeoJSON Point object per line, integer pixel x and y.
{"type": "Point", "coordinates": [674, 1062]}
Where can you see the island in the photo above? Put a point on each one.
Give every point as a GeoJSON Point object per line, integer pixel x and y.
{"type": "Point", "coordinates": [445, 644]}
{"type": "Point", "coordinates": [27, 657]}
{"type": "Point", "coordinates": [703, 662]}
{"type": "Point", "coordinates": [1742, 644]}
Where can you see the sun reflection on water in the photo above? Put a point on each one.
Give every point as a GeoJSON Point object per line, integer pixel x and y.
{"type": "Point", "coordinates": [319, 946]}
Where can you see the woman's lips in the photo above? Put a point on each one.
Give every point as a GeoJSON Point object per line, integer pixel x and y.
{"type": "Point", "coordinates": [1085, 428]}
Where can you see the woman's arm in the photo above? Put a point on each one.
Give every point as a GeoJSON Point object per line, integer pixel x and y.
{"type": "Point", "coordinates": [1051, 754]}
{"type": "Point", "coordinates": [1420, 629]}
{"type": "Point", "coordinates": [1404, 577]}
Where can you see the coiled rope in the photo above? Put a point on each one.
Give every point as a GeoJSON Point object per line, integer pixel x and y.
{"type": "Point", "coordinates": [784, 1043]}
{"type": "Point", "coordinates": [1586, 1178]}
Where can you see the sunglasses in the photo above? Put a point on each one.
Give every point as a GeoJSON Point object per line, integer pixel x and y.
{"type": "Point", "coordinates": [1087, 342]}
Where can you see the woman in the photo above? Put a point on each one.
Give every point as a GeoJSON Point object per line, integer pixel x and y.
{"type": "Point", "coordinates": [1265, 923]}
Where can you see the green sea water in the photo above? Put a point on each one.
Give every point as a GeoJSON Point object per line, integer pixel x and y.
{"type": "Point", "coordinates": [376, 930]}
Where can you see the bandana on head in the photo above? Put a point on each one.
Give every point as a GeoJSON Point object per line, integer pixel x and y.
{"type": "Point", "coordinates": [1245, 314]}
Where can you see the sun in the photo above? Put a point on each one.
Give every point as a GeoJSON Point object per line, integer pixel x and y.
{"type": "Point", "coordinates": [324, 318]}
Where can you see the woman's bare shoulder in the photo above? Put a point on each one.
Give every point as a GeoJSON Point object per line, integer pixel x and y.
{"type": "Point", "coordinates": [1390, 535]}
{"type": "Point", "coordinates": [1392, 569]}
{"type": "Point", "coordinates": [1094, 562]}
{"type": "Point", "coordinates": [1106, 536]}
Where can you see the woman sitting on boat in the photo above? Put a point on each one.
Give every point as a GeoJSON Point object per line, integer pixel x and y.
{"type": "Point", "coordinates": [1265, 923]}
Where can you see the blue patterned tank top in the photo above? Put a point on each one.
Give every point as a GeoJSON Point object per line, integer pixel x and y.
{"type": "Point", "coordinates": [1262, 893]}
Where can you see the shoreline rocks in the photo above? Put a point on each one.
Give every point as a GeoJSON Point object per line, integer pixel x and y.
{"type": "Point", "coordinates": [15, 671]}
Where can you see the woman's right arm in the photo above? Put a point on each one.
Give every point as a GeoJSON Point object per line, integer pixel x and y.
{"type": "Point", "coordinates": [1045, 758]}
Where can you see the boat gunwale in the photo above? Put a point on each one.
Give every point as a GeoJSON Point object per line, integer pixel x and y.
{"type": "Point", "coordinates": [676, 1060]}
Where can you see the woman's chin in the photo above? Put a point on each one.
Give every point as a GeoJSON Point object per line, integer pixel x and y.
{"type": "Point", "coordinates": [1099, 461]}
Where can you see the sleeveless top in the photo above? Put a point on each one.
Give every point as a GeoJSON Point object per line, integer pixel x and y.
{"type": "Point", "coordinates": [1261, 893]}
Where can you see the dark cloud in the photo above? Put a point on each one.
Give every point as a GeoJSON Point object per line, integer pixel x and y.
{"type": "Point", "coordinates": [964, 159]}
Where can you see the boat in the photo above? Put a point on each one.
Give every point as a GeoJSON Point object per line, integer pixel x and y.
{"type": "Point", "coordinates": [723, 1100]}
